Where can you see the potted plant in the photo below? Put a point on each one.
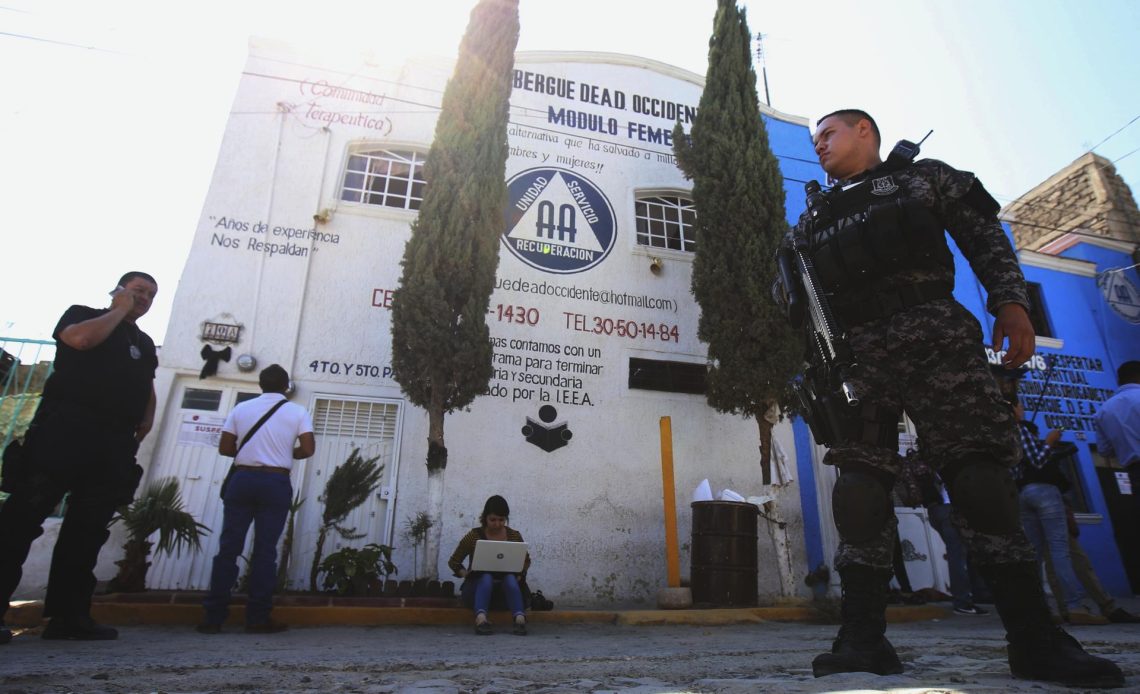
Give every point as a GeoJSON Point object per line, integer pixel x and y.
{"type": "Point", "coordinates": [351, 571]}
{"type": "Point", "coordinates": [158, 510]}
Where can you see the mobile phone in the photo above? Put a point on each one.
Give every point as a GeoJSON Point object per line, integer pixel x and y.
{"type": "Point", "coordinates": [116, 290]}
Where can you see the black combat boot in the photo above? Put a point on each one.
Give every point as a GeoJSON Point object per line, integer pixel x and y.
{"type": "Point", "coordinates": [861, 645]}
{"type": "Point", "coordinates": [1039, 649]}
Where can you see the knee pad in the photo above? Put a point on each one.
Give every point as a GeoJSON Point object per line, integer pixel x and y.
{"type": "Point", "coordinates": [861, 505]}
{"type": "Point", "coordinates": [984, 492]}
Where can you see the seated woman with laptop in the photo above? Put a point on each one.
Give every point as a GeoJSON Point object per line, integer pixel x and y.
{"type": "Point", "coordinates": [496, 561]}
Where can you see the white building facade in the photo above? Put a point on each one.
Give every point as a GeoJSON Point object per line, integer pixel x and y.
{"type": "Point", "coordinates": [297, 254]}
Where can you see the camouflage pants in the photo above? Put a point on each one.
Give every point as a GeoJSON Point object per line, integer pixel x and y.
{"type": "Point", "coordinates": [929, 361]}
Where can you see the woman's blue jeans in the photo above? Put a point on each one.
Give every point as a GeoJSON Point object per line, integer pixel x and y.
{"type": "Point", "coordinates": [483, 585]}
{"type": "Point", "coordinates": [1044, 519]}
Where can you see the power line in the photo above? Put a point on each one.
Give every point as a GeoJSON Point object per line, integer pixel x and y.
{"type": "Point", "coordinates": [1065, 231]}
{"type": "Point", "coordinates": [59, 43]}
{"type": "Point", "coordinates": [1126, 155]}
{"type": "Point", "coordinates": [1118, 131]}
{"type": "Point", "coordinates": [1107, 214]}
{"type": "Point", "coordinates": [1134, 119]}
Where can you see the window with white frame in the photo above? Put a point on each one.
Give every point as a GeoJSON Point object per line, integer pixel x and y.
{"type": "Point", "coordinates": [666, 221]}
{"type": "Point", "coordinates": [385, 177]}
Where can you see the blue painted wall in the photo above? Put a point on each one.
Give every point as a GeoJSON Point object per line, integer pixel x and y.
{"type": "Point", "coordinates": [1095, 341]}
{"type": "Point", "coordinates": [1120, 336]}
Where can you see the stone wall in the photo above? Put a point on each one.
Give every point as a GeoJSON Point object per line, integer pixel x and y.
{"type": "Point", "coordinates": [1086, 197]}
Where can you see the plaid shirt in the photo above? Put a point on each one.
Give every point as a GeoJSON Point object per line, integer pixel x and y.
{"type": "Point", "coordinates": [1033, 450]}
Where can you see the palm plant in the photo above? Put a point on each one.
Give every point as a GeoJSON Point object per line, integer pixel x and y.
{"type": "Point", "coordinates": [158, 510]}
{"type": "Point", "coordinates": [348, 487]}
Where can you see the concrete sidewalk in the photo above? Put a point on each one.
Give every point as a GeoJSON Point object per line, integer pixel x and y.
{"type": "Point", "coordinates": [957, 654]}
{"type": "Point", "coordinates": [185, 608]}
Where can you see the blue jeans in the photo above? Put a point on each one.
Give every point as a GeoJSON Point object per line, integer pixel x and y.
{"type": "Point", "coordinates": [482, 584]}
{"type": "Point", "coordinates": [261, 498]}
{"type": "Point", "coordinates": [1043, 517]}
{"type": "Point", "coordinates": [939, 515]}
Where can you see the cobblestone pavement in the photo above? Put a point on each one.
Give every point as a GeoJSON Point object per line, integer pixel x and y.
{"type": "Point", "coordinates": [958, 654]}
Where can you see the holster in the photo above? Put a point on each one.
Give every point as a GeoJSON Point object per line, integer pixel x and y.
{"type": "Point", "coordinates": [13, 470]}
{"type": "Point", "coordinates": [833, 422]}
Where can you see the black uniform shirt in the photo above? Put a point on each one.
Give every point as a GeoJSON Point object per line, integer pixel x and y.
{"type": "Point", "coordinates": [112, 380]}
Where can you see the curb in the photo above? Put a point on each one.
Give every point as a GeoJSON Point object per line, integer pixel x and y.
{"type": "Point", "coordinates": [30, 614]}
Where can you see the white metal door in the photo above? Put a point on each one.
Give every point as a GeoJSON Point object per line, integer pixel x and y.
{"type": "Point", "coordinates": [341, 425]}
{"type": "Point", "coordinates": [189, 453]}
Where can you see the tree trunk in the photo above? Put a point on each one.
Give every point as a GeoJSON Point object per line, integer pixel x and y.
{"type": "Point", "coordinates": [132, 568]}
{"type": "Point", "coordinates": [436, 464]}
{"type": "Point", "coordinates": [435, 504]}
{"type": "Point", "coordinates": [777, 527]}
{"type": "Point", "coordinates": [765, 449]}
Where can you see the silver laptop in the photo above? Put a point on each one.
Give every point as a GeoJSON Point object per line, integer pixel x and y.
{"type": "Point", "coordinates": [498, 555]}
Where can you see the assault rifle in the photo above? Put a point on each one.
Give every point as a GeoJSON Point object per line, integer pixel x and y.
{"type": "Point", "coordinates": [826, 398]}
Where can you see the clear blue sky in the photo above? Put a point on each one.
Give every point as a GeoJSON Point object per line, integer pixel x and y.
{"type": "Point", "coordinates": [113, 111]}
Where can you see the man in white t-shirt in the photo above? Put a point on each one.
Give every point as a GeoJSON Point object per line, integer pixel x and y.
{"type": "Point", "coordinates": [258, 492]}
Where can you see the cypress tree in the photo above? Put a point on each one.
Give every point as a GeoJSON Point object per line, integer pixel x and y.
{"type": "Point", "coordinates": [739, 195]}
{"type": "Point", "coordinates": [441, 350]}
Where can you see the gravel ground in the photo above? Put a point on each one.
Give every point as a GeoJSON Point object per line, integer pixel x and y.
{"type": "Point", "coordinates": [958, 654]}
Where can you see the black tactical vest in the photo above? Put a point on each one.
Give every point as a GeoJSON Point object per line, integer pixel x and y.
{"type": "Point", "coordinates": [873, 230]}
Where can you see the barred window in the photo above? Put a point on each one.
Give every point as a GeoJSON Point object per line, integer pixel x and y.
{"type": "Point", "coordinates": [666, 221]}
{"type": "Point", "coordinates": [384, 177]}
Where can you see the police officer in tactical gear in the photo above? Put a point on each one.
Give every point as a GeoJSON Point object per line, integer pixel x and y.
{"type": "Point", "coordinates": [881, 257]}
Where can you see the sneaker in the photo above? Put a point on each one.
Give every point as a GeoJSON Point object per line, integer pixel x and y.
{"type": "Point", "coordinates": [78, 629]}
{"type": "Point", "coordinates": [270, 627]}
{"type": "Point", "coordinates": [5, 634]}
{"type": "Point", "coordinates": [970, 609]}
{"type": "Point", "coordinates": [519, 628]}
{"type": "Point", "coordinates": [208, 628]}
{"type": "Point", "coordinates": [1122, 616]}
{"type": "Point", "coordinates": [484, 629]}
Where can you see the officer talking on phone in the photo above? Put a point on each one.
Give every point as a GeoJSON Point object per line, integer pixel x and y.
{"type": "Point", "coordinates": [97, 406]}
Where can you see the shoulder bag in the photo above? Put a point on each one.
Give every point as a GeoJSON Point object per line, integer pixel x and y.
{"type": "Point", "coordinates": [230, 473]}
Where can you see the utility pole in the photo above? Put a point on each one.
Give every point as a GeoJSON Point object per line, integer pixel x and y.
{"type": "Point", "coordinates": [763, 66]}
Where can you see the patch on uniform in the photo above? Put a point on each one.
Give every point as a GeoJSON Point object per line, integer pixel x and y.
{"type": "Point", "coordinates": [883, 186]}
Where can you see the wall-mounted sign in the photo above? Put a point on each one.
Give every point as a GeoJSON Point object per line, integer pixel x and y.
{"type": "Point", "coordinates": [200, 430]}
{"type": "Point", "coordinates": [221, 332]}
{"type": "Point", "coordinates": [557, 221]}
{"type": "Point", "coordinates": [1121, 294]}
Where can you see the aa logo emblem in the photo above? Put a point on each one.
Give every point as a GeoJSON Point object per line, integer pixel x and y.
{"type": "Point", "coordinates": [558, 221]}
{"type": "Point", "coordinates": [1121, 294]}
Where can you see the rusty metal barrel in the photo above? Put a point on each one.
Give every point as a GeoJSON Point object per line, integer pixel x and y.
{"type": "Point", "coordinates": [724, 555]}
